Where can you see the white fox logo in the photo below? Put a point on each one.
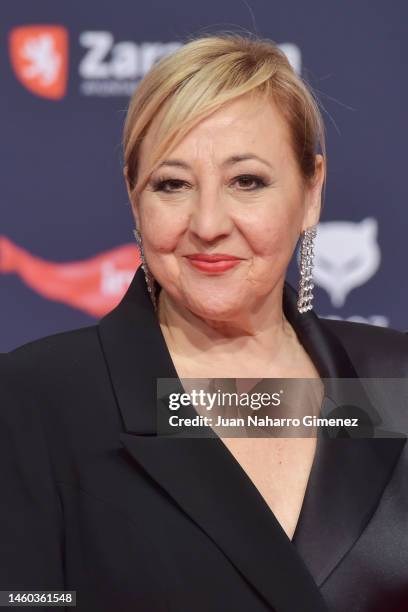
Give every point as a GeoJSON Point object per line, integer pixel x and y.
{"type": "Point", "coordinates": [346, 256]}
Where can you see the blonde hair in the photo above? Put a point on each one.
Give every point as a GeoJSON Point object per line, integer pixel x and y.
{"type": "Point", "coordinates": [204, 74]}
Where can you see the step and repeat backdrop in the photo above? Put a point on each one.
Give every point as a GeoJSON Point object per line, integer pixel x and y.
{"type": "Point", "coordinates": [67, 252]}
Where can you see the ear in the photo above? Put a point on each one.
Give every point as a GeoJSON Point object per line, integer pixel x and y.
{"type": "Point", "coordinates": [313, 200]}
{"type": "Point", "coordinates": [131, 195]}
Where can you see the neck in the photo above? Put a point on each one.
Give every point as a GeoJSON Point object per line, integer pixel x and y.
{"type": "Point", "coordinates": [253, 340]}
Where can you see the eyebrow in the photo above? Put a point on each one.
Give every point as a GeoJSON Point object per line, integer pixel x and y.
{"type": "Point", "coordinates": [234, 159]}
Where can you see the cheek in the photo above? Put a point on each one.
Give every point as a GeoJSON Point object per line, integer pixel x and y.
{"type": "Point", "coordinates": [272, 237]}
{"type": "Point", "coordinates": [273, 227]}
{"type": "Point", "coordinates": [161, 228]}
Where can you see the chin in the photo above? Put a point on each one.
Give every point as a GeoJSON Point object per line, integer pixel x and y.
{"type": "Point", "coordinates": [215, 309]}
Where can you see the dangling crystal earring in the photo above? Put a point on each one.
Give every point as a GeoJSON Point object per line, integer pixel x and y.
{"type": "Point", "coordinates": [151, 287]}
{"type": "Point", "coordinates": [305, 295]}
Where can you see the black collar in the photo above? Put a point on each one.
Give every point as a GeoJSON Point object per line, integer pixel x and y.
{"type": "Point", "coordinates": [347, 478]}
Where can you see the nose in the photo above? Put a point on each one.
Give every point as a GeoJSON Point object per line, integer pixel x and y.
{"type": "Point", "coordinates": [210, 219]}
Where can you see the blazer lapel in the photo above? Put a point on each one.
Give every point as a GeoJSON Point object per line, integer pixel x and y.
{"type": "Point", "coordinates": [348, 476]}
{"type": "Point", "coordinates": [207, 482]}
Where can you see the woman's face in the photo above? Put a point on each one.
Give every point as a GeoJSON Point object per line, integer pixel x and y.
{"type": "Point", "coordinates": [232, 187]}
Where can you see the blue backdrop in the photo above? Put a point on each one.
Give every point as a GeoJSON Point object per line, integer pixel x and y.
{"type": "Point", "coordinates": [67, 69]}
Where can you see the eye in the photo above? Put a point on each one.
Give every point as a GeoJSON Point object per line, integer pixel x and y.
{"type": "Point", "coordinates": [168, 185]}
{"type": "Point", "coordinates": [247, 180]}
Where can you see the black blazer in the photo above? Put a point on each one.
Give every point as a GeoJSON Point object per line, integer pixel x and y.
{"type": "Point", "coordinates": [93, 501]}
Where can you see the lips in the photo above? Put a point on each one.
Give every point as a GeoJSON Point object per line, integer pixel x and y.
{"type": "Point", "coordinates": [214, 263]}
{"type": "Point", "coordinates": [213, 258]}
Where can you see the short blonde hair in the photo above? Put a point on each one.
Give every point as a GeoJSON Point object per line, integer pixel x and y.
{"type": "Point", "coordinates": [204, 74]}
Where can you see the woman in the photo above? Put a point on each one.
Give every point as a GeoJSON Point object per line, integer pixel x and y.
{"type": "Point", "coordinates": [223, 178]}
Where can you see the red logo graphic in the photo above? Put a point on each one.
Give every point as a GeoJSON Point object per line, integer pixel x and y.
{"type": "Point", "coordinates": [39, 56]}
{"type": "Point", "coordinates": [95, 285]}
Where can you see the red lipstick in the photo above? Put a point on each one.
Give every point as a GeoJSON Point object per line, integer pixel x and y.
{"type": "Point", "coordinates": [214, 263]}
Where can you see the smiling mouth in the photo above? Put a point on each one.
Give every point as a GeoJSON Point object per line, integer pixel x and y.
{"type": "Point", "coordinates": [214, 264]}
{"type": "Point", "coordinates": [213, 257]}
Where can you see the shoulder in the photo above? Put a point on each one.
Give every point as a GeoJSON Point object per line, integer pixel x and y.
{"type": "Point", "coordinates": [379, 351]}
{"type": "Point", "coordinates": [60, 357]}
{"type": "Point", "coordinates": [373, 336]}
{"type": "Point", "coordinates": [58, 384]}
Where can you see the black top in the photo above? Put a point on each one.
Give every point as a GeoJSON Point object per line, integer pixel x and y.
{"type": "Point", "coordinates": [93, 500]}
